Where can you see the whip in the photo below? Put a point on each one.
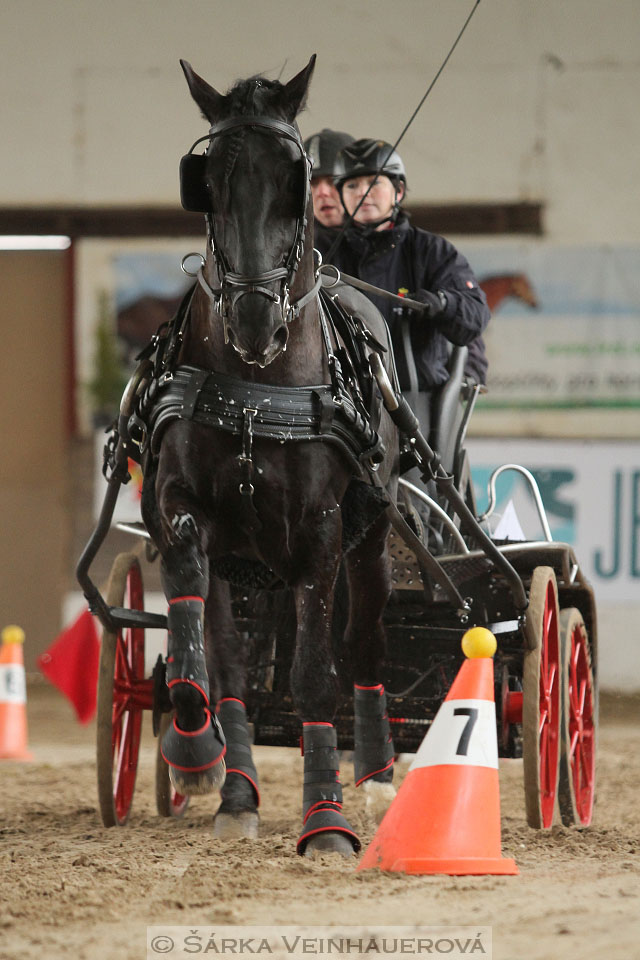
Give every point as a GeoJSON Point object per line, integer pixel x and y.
{"type": "Point", "coordinates": [336, 243]}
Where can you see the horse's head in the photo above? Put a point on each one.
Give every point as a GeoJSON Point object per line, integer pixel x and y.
{"type": "Point", "coordinates": [253, 183]}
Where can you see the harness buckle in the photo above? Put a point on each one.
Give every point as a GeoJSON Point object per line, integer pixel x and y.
{"type": "Point", "coordinates": [287, 309]}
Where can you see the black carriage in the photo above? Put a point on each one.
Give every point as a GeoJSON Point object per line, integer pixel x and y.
{"type": "Point", "coordinates": [545, 664]}
{"type": "Point", "coordinates": [212, 422]}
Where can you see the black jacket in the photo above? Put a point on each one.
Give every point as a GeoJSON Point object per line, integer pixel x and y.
{"type": "Point", "coordinates": [410, 258]}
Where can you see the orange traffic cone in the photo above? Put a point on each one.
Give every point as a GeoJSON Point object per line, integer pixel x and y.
{"type": "Point", "coordinates": [13, 697]}
{"type": "Point", "coordinates": [445, 817]}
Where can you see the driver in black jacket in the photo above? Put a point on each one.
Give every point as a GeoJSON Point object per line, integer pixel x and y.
{"type": "Point", "coordinates": [381, 247]}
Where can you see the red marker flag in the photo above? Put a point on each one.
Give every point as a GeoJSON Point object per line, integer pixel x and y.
{"type": "Point", "coordinates": [71, 664]}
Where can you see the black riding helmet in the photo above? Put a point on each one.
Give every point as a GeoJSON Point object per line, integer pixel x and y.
{"type": "Point", "coordinates": [363, 158]}
{"type": "Point", "coordinates": [323, 149]}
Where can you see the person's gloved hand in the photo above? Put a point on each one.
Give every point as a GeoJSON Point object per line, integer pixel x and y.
{"type": "Point", "coordinates": [435, 302]}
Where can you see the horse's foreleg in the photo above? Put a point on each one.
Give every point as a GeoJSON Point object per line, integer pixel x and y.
{"type": "Point", "coordinates": [369, 588]}
{"type": "Point", "coordinates": [193, 746]}
{"type": "Point", "coordinates": [315, 691]}
{"type": "Point", "coordinates": [237, 815]}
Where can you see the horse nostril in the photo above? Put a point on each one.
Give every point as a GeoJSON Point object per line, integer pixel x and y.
{"type": "Point", "coordinates": [281, 336]}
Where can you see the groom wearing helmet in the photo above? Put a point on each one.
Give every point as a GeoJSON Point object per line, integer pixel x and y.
{"type": "Point", "coordinates": [381, 247]}
{"type": "Point", "coordinates": [323, 148]}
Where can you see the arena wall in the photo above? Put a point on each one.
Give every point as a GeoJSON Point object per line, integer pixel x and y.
{"type": "Point", "coordinates": [538, 103]}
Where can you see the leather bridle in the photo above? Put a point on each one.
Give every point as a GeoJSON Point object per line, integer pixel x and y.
{"type": "Point", "coordinates": [234, 285]}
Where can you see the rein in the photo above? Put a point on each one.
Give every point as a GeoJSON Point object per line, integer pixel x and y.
{"type": "Point", "coordinates": [330, 271]}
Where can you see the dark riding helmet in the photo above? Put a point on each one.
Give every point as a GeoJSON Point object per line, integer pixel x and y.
{"type": "Point", "coordinates": [323, 148]}
{"type": "Point", "coordinates": [363, 158]}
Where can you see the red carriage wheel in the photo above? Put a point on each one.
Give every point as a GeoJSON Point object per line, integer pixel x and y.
{"type": "Point", "coordinates": [576, 784]}
{"type": "Point", "coordinates": [121, 692]}
{"type": "Point", "coordinates": [541, 700]}
{"type": "Point", "coordinates": [169, 802]}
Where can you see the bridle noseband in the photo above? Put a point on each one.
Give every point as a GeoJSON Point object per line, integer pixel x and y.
{"type": "Point", "coordinates": [234, 285]}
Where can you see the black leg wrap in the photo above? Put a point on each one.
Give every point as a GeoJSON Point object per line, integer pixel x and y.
{"type": "Point", "coordinates": [186, 661]}
{"type": "Point", "coordinates": [196, 758]}
{"type": "Point", "coordinates": [233, 717]}
{"type": "Point", "coordinates": [373, 755]}
{"type": "Point", "coordinates": [322, 796]}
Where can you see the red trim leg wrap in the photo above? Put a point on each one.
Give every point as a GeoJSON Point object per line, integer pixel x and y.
{"type": "Point", "coordinates": [373, 755]}
{"type": "Point", "coordinates": [196, 750]}
{"type": "Point", "coordinates": [233, 717]}
{"type": "Point", "coordinates": [322, 796]}
{"type": "Point", "coordinates": [186, 661]}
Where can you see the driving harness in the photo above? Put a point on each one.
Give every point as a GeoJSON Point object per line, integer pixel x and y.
{"type": "Point", "coordinates": [344, 413]}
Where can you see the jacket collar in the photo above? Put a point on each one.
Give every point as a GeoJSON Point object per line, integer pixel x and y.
{"type": "Point", "coordinates": [364, 239]}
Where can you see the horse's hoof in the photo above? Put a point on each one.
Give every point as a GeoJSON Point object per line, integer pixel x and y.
{"type": "Point", "coordinates": [378, 798]}
{"type": "Point", "coordinates": [329, 842]}
{"type": "Point", "coordinates": [195, 757]}
{"type": "Point", "coordinates": [327, 831]}
{"type": "Point", "coordinates": [233, 826]}
{"type": "Point", "coordinates": [194, 783]}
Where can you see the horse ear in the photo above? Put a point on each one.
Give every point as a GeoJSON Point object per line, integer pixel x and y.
{"type": "Point", "coordinates": [295, 92]}
{"type": "Point", "coordinates": [208, 99]}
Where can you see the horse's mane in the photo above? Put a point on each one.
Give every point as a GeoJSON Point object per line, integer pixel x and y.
{"type": "Point", "coordinates": [251, 96]}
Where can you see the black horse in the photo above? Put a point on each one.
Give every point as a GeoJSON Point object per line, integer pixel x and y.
{"type": "Point", "coordinates": [223, 488]}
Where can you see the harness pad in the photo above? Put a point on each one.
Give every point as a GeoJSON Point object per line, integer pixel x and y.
{"type": "Point", "coordinates": [281, 413]}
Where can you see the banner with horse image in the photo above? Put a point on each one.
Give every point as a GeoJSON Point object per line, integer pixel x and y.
{"type": "Point", "coordinates": [124, 290]}
{"type": "Point", "coordinates": [143, 285]}
{"type": "Point", "coordinates": [148, 289]}
{"type": "Point", "coordinates": [565, 328]}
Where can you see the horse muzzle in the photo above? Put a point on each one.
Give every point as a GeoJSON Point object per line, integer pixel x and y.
{"type": "Point", "coordinates": [256, 329]}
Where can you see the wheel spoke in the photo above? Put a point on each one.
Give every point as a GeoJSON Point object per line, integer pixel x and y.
{"type": "Point", "coordinates": [582, 697]}
{"type": "Point", "coordinates": [116, 732]}
{"type": "Point", "coordinates": [585, 767]}
{"type": "Point", "coordinates": [123, 669]}
{"type": "Point", "coordinates": [544, 651]}
{"type": "Point", "coordinates": [575, 739]}
{"type": "Point", "coordinates": [119, 707]}
{"type": "Point", "coordinates": [544, 739]}
{"type": "Point", "coordinates": [575, 653]}
{"type": "Point", "coordinates": [544, 719]}
{"type": "Point", "coordinates": [121, 760]}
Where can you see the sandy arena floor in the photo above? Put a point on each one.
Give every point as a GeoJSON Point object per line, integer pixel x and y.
{"type": "Point", "coordinates": [71, 888]}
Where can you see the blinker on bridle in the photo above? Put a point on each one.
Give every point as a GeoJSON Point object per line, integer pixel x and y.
{"type": "Point", "coordinates": [195, 198]}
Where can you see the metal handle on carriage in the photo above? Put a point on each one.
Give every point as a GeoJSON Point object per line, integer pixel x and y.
{"type": "Point", "coordinates": [437, 510]}
{"type": "Point", "coordinates": [97, 604]}
{"type": "Point", "coordinates": [111, 618]}
{"type": "Point", "coordinates": [406, 421]}
{"type": "Point", "coordinates": [535, 491]}
{"type": "Point", "coordinates": [119, 475]}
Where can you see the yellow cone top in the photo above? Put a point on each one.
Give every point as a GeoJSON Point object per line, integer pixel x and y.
{"type": "Point", "coordinates": [13, 634]}
{"type": "Point", "coordinates": [479, 642]}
